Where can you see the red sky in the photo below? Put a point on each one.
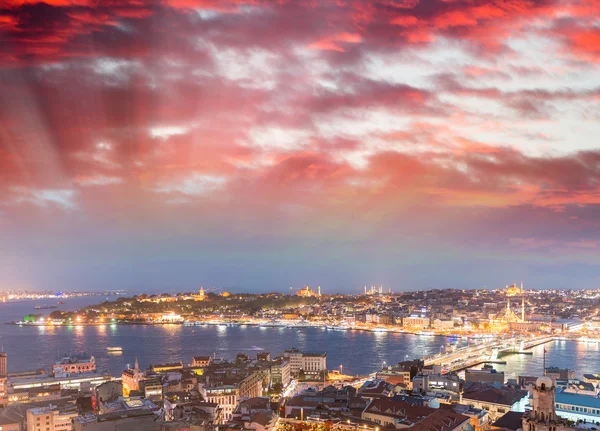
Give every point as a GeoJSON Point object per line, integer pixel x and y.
{"type": "Point", "coordinates": [253, 145]}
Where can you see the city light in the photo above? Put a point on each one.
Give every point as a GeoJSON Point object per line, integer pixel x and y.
{"type": "Point", "coordinates": [353, 180]}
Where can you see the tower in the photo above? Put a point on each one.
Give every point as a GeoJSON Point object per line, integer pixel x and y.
{"type": "Point", "coordinates": [543, 415]}
{"type": "Point", "coordinates": [365, 289]}
{"type": "Point", "coordinates": [3, 364]}
{"type": "Point", "coordinates": [136, 367]}
{"type": "Point", "coordinates": [522, 303]}
{"type": "Point", "coordinates": [291, 290]}
{"type": "Point", "coordinates": [319, 290]}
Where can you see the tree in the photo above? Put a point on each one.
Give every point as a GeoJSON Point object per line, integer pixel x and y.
{"type": "Point", "coordinates": [276, 388]}
{"type": "Point", "coordinates": [56, 314]}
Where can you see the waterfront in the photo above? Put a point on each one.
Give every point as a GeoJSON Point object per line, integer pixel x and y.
{"type": "Point", "coordinates": [359, 352]}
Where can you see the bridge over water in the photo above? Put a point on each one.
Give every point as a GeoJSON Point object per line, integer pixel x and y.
{"type": "Point", "coordinates": [493, 351]}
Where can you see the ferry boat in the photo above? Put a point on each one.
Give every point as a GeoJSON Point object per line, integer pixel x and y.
{"type": "Point", "coordinates": [44, 307]}
{"type": "Point", "coordinates": [114, 349]}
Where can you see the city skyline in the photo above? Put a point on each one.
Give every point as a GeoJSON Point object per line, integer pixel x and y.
{"type": "Point", "coordinates": [249, 145]}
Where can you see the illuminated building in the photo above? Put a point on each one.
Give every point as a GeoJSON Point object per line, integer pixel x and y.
{"type": "Point", "coordinates": [310, 363]}
{"type": "Point", "coordinates": [3, 364]}
{"type": "Point", "coordinates": [51, 418]}
{"type": "Point", "coordinates": [514, 290]}
{"type": "Point", "coordinates": [79, 363]}
{"type": "Point", "coordinates": [280, 372]}
{"type": "Point", "coordinates": [306, 292]}
{"type": "Point", "coordinates": [200, 296]}
{"type": "Point", "coordinates": [131, 378]}
{"type": "Point", "coordinates": [160, 368]}
{"type": "Point", "coordinates": [201, 361]}
{"type": "Point", "coordinates": [67, 382]}
{"type": "Point", "coordinates": [416, 322]}
{"type": "Point", "coordinates": [172, 318]}
{"type": "Point", "coordinates": [374, 290]}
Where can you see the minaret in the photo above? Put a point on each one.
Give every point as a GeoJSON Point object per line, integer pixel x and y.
{"type": "Point", "coordinates": [136, 367]}
{"type": "Point", "coordinates": [291, 290]}
{"type": "Point", "coordinates": [365, 289]}
{"type": "Point", "coordinates": [319, 290]}
{"type": "Point", "coordinates": [522, 303]}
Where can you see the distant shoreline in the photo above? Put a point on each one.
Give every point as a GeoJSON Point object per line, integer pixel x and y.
{"type": "Point", "coordinates": [262, 325]}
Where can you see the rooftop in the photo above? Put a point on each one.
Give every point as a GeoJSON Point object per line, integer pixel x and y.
{"type": "Point", "coordinates": [375, 387]}
{"type": "Point", "coordinates": [504, 396]}
{"type": "Point", "coordinates": [399, 409]}
{"type": "Point", "coordinates": [441, 420]}
{"type": "Point", "coordinates": [91, 418]}
{"type": "Point", "coordinates": [510, 421]}
{"type": "Point", "coordinates": [75, 359]}
{"type": "Point", "coordinates": [577, 399]}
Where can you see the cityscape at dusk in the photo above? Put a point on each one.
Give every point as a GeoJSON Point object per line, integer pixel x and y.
{"type": "Point", "coordinates": [300, 215]}
{"type": "Point", "coordinates": [164, 145]}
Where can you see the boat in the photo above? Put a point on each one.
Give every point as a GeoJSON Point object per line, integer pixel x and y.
{"type": "Point", "coordinates": [60, 302]}
{"type": "Point", "coordinates": [44, 307]}
{"type": "Point", "coordinates": [114, 349]}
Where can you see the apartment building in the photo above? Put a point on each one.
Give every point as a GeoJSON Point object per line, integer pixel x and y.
{"type": "Point", "coordinates": [51, 418]}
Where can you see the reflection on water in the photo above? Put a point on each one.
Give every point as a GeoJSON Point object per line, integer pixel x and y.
{"type": "Point", "coordinates": [359, 352]}
{"type": "Point", "coordinates": [579, 356]}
